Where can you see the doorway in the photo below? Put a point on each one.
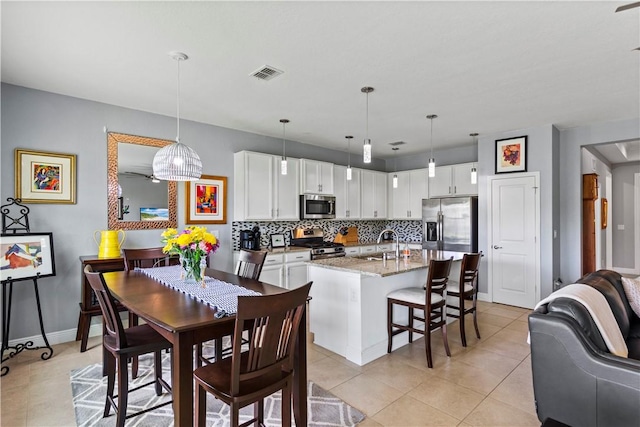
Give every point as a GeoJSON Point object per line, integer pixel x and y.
{"type": "Point", "coordinates": [514, 239]}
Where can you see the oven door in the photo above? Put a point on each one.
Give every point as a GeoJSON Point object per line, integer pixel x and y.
{"type": "Point", "coordinates": [313, 206]}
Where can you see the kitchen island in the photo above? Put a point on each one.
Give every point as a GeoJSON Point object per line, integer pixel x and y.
{"type": "Point", "coordinates": [348, 310]}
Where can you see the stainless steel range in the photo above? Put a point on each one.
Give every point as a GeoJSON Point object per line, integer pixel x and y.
{"type": "Point", "coordinates": [313, 238]}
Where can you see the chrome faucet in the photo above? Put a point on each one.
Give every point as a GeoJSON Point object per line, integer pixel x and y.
{"type": "Point", "coordinates": [397, 240]}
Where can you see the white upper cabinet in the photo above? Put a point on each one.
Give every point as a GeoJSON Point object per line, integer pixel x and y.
{"type": "Point", "coordinates": [316, 177]}
{"type": "Point", "coordinates": [347, 193]}
{"type": "Point", "coordinates": [373, 195]}
{"type": "Point", "coordinates": [405, 201]}
{"type": "Point", "coordinates": [452, 180]}
{"type": "Point", "coordinates": [260, 192]}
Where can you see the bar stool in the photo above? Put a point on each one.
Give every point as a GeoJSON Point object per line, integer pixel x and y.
{"type": "Point", "coordinates": [463, 289]}
{"type": "Point", "coordinates": [430, 299]}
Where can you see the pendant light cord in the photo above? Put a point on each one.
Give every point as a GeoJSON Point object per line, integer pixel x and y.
{"type": "Point", "coordinates": [367, 115]}
{"type": "Point", "coordinates": [178, 102]}
{"type": "Point", "coordinates": [431, 137]}
{"type": "Point", "coordinates": [349, 152]}
{"type": "Point", "coordinates": [284, 145]}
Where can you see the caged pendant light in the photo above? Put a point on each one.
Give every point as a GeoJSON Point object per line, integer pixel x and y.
{"type": "Point", "coordinates": [349, 172]}
{"type": "Point", "coordinates": [283, 162]}
{"type": "Point", "coordinates": [177, 162]}
{"type": "Point", "coordinates": [395, 169]}
{"type": "Point", "coordinates": [432, 161]}
{"type": "Point", "coordinates": [474, 172]}
{"type": "Point", "coordinates": [366, 149]}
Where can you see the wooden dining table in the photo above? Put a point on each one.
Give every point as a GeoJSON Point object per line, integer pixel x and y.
{"type": "Point", "coordinates": [185, 321]}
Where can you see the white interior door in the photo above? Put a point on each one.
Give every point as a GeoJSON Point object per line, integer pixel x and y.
{"type": "Point", "coordinates": [514, 240]}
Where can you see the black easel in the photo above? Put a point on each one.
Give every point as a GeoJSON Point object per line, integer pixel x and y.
{"type": "Point", "coordinates": [16, 224]}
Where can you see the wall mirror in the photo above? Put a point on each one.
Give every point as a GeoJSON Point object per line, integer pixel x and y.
{"type": "Point", "coordinates": [136, 200]}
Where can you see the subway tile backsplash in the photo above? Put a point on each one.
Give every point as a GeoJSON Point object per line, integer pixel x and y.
{"type": "Point", "coordinates": [367, 230]}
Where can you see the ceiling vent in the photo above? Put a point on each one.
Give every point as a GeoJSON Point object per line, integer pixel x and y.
{"type": "Point", "coordinates": [266, 72]}
{"type": "Point", "coordinates": [395, 144]}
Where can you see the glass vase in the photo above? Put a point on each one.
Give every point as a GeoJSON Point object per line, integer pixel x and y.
{"type": "Point", "coordinates": [193, 271]}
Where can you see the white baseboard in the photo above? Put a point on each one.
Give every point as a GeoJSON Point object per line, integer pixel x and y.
{"type": "Point", "coordinates": [59, 337]}
{"type": "Point", "coordinates": [484, 296]}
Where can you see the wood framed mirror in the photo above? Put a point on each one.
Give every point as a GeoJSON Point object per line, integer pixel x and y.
{"type": "Point", "coordinates": [135, 201]}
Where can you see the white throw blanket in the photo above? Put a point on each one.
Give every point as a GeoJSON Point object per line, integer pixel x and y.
{"type": "Point", "coordinates": [600, 311]}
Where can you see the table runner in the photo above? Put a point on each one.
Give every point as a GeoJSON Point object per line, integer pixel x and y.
{"type": "Point", "coordinates": [216, 293]}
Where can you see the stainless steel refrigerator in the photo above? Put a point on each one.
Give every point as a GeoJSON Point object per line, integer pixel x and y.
{"type": "Point", "coordinates": [450, 224]}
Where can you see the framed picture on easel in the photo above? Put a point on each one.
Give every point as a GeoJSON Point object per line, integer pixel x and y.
{"type": "Point", "coordinates": [26, 256]}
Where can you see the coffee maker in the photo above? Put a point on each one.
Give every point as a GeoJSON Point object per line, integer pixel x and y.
{"type": "Point", "coordinates": [250, 239]}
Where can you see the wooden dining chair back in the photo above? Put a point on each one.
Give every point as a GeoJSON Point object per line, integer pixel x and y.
{"type": "Point", "coordinates": [266, 366]}
{"type": "Point", "coordinates": [250, 263]}
{"type": "Point", "coordinates": [429, 299]}
{"type": "Point", "coordinates": [122, 344]}
{"type": "Point", "coordinates": [465, 289]}
{"type": "Point", "coordinates": [147, 257]}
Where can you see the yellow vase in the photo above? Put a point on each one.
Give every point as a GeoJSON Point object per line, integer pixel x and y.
{"type": "Point", "coordinates": [110, 243]}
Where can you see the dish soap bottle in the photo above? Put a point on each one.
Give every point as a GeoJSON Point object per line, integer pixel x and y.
{"type": "Point", "coordinates": [406, 252]}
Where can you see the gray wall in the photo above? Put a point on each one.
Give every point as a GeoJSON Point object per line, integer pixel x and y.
{"type": "Point", "coordinates": [45, 121]}
{"type": "Point", "coordinates": [571, 141]}
{"type": "Point", "coordinates": [623, 213]}
{"type": "Point", "coordinates": [541, 143]}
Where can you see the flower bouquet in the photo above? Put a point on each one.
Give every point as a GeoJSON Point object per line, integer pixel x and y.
{"type": "Point", "coordinates": [193, 245]}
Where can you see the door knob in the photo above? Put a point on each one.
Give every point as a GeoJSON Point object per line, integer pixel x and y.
{"type": "Point", "coordinates": [497, 247]}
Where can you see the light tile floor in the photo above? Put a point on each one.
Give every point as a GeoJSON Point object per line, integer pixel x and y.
{"type": "Point", "coordinates": [486, 384]}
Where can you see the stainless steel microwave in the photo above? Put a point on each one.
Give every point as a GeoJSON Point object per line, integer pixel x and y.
{"type": "Point", "coordinates": [316, 206]}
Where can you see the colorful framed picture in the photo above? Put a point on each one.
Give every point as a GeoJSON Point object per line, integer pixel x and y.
{"type": "Point", "coordinates": [511, 155]}
{"type": "Point", "coordinates": [45, 177]}
{"type": "Point", "coordinates": [26, 256]}
{"type": "Point", "coordinates": [207, 200]}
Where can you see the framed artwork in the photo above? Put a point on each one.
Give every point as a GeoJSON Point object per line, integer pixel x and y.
{"type": "Point", "coordinates": [207, 200]}
{"type": "Point", "coordinates": [45, 177]}
{"type": "Point", "coordinates": [277, 240]}
{"type": "Point", "coordinates": [26, 256]}
{"type": "Point", "coordinates": [511, 155]}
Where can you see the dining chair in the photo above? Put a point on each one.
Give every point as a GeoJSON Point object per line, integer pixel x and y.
{"type": "Point", "coordinates": [249, 266]}
{"type": "Point", "coordinates": [145, 258]}
{"type": "Point", "coordinates": [123, 344]}
{"type": "Point", "coordinates": [430, 299]}
{"type": "Point", "coordinates": [466, 288]}
{"type": "Point", "coordinates": [267, 365]}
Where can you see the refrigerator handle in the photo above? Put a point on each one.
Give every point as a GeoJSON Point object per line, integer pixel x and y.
{"type": "Point", "coordinates": [440, 226]}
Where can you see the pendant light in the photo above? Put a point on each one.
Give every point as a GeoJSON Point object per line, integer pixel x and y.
{"type": "Point", "coordinates": [366, 149]}
{"type": "Point", "coordinates": [283, 162]}
{"type": "Point", "coordinates": [432, 161]}
{"type": "Point", "coordinates": [395, 168]}
{"type": "Point", "coordinates": [177, 162]}
{"type": "Point", "coordinates": [349, 138]}
{"type": "Point", "coordinates": [474, 172]}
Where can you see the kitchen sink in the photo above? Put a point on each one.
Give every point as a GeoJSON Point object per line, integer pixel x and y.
{"type": "Point", "coordinates": [369, 257]}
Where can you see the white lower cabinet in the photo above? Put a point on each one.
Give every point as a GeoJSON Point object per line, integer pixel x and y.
{"type": "Point", "coordinates": [352, 250]}
{"type": "Point", "coordinates": [296, 269]}
{"type": "Point", "coordinates": [287, 270]}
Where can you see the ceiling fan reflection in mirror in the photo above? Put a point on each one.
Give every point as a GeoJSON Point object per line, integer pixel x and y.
{"type": "Point", "coordinates": [149, 177]}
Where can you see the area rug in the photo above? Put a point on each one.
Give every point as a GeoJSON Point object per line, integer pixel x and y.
{"type": "Point", "coordinates": [88, 387]}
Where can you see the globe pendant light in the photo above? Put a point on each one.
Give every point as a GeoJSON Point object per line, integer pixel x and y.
{"type": "Point", "coordinates": [432, 161]}
{"type": "Point", "coordinates": [283, 162]}
{"type": "Point", "coordinates": [395, 168]}
{"type": "Point", "coordinates": [177, 162]}
{"type": "Point", "coordinates": [474, 172]}
{"type": "Point", "coordinates": [349, 138]}
{"type": "Point", "coordinates": [366, 151]}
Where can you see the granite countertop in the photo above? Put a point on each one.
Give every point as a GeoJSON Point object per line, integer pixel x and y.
{"type": "Point", "coordinates": [284, 250]}
{"type": "Point", "coordinates": [373, 243]}
{"type": "Point", "coordinates": [418, 259]}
